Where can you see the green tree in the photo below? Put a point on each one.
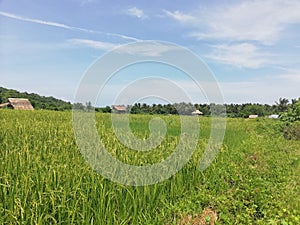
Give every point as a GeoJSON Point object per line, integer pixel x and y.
{"type": "Point", "coordinates": [282, 104]}
{"type": "Point", "coordinates": [78, 106]}
{"type": "Point", "coordinates": [89, 106]}
{"type": "Point", "coordinates": [293, 113]}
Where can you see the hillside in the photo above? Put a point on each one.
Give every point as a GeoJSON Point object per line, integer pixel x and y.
{"type": "Point", "coordinates": [37, 101]}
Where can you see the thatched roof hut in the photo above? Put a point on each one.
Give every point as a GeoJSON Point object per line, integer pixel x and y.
{"type": "Point", "coordinates": [119, 108]}
{"type": "Point", "coordinates": [18, 103]}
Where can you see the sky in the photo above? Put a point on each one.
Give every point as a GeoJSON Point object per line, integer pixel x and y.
{"type": "Point", "coordinates": [251, 47]}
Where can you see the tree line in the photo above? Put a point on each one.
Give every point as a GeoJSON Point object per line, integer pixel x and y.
{"type": "Point", "coordinates": [283, 105]}
{"type": "Point", "coordinates": [232, 110]}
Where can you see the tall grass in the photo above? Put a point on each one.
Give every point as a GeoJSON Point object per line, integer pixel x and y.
{"type": "Point", "coordinates": [45, 180]}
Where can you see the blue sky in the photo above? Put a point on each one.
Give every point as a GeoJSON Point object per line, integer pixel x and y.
{"type": "Point", "coordinates": [252, 47]}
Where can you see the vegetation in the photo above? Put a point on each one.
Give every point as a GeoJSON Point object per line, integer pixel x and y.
{"type": "Point", "coordinates": [37, 101]}
{"type": "Point", "coordinates": [292, 121]}
{"type": "Point", "coordinates": [292, 113]}
{"type": "Point", "coordinates": [232, 110]}
{"type": "Point", "coordinates": [45, 180]}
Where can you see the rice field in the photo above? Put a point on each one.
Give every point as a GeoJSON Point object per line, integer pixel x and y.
{"type": "Point", "coordinates": [44, 179]}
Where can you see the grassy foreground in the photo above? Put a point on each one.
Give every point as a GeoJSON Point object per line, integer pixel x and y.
{"type": "Point", "coordinates": [45, 180]}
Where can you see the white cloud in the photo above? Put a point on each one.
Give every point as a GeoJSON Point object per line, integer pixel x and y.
{"type": "Point", "coordinates": [64, 26]}
{"type": "Point", "coordinates": [93, 44]}
{"type": "Point", "coordinates": [243, 55]}
{"type": "Point", "coordinates": [179, 16]}
{"type": "Point", "coordinates": [259, 20]}
{"type": "Point", "coordinates": [246, 25]}
{"type": "Point", "coordinates": [147, 49]}
{"type": "Point", "coordinates": [136, 12]}
{"type": "Point", "coordinates": [150, 48]}
{"type": "Point", "coordinates": [295, 78]}
{"type": "Point", "coordinates": [292, 76]}
{"type": "Point", "coordinates": [267, 89]}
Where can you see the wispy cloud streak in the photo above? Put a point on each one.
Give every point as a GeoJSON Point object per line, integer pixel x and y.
{"type": "Point", "coordinates": [93, 44]}
{"type": "Point", "coordinates": [64, 26]}
{"type": "Point", "coordinates": [179, 16]}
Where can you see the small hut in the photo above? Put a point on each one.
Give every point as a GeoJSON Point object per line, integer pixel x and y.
{"type": "Point", "coordinates": [18, 103]}
{"type": "Point", "coordinates": [119, 108]}
{"type": "Point", "coordinates": [197, 113]}
{"type": "Point", "coordinates": [253, 116]}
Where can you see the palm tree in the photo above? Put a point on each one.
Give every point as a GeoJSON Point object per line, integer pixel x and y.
{"type": "Point", "coordinates": [282, 105]}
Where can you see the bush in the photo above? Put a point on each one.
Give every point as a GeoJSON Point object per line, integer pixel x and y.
{"type": "Point", "coordinates": [292, 120]}
{"type": "Point", "coordinates": [293, 114]}
{"type": "Point", "coordinates": [292, 131]}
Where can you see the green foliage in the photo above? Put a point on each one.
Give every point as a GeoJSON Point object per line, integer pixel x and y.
{"type": "Point", "coordinates": [45, 180]}
{"type": "Point", "coordinates": [78, 106]}
{"type": "Point", "coordinates": [293, 113]}
{"type": "Point", "coordinates": [232, 110]}
{"type": "Point", "coordinates": [106, 109]}
{"type": "Point", "coordinates": [282, 104]}
{"type": "Point", "coordinates": [291, 118]}
{"type": "Point", "coordinates": [292, 131]}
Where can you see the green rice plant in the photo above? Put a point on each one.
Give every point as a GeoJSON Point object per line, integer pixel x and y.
{"type": "Point", "coordinates": [44, 178]}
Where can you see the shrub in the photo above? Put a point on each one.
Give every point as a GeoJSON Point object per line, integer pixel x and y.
{"type": "Point", "coordinates": [293, 114]}
{"type": "Point", "coordinates": [292, 131]}
{"type": "Point", "coordinates": [292, 120]}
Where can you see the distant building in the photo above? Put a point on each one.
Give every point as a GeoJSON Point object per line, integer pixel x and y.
{"type": "Point", "coordinates": [119, 109]}
{"type": "Point", "coordinates": [253, 116]}
{"type": "Point", "coordinates": [18, 103]}
{"type": "Point", "coordinates": [197, 113]}
{"type": "Point", "coordinates": [274, 116]}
